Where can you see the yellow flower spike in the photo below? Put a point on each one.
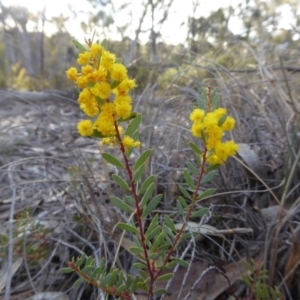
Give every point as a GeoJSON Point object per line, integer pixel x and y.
{"type": "Point", "coordinates": [210, 120]}
{"type": "Point", "coordinates": [107, 60]}
{"type": "Point", "coordinates": [95, 49]}
{"type": "Point", "coordinates": [118, 72]}
{"type": "Point", "coordinates": [100, 75]}
{"type": "Point", "coordinates": [90, 109]}
{"type": "Point", "coordinates": [123, 110]}
{"type": "Point", "coordinates": [213, 160]}
{"type": "Point", "coordinates": [82, 82]}
{"type": "Point", "coordinates": [123, 99]}
{"type": "Point", "coordinates": [84, 58]}
{"type": "Point", "coordinates": [197, 129]}
{"type": "Point", "coordinates": [101, 90]}
{"type": "Point", "coordinates": [87, 69]}
{"type": "Point", "coordinates": [219, 112]}
{"type": "Point", "coordinates": [124, 87]}
{"type": "Point", "coordinates": [72, 74]}
{"type": "Point", "coordinates": [228, 124]}
{"type": "Point", "coordinates": [85, 127]}
{"type": "Point", "coordinates": [128, 142]}
{"type": "Point", "coordinates": [197, 115]}
{"type": "Point", "coordinates": [231, 147]}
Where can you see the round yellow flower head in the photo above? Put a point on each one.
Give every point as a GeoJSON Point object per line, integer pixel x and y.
{"type": "Point", "coordinates": [84, 58]}
{"type": "Point", "coordinates": [197, 115]}
{"type": "Point", "coordinates": [118, 72]}
{"type": "Point", "coordinates": [72, 74]}
{"type": "Point", "coordinates": [95, 49]}
{"type": "Point", "coordinates": [85, 127]}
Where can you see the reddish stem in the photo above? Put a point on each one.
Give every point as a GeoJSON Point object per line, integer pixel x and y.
{"type": "Point", "coordinates": [138, 210]}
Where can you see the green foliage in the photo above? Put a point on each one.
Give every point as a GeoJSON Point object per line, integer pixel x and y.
{"type": "Point", "coordinates": [256, 281]}
{"type": "Point", "coordinates": [29, 238]}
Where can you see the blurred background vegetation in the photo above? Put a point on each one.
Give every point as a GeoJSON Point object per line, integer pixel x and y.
{"type": "Point", "coordinates": [33, 59]}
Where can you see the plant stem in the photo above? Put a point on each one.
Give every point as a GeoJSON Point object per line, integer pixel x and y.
{"type": "Point", "coordinates": [138, 211]}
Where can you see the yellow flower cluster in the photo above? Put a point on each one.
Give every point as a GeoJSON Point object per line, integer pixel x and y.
{"type": "Point", "coordinates": [210, 126]}
{"type": "Point", "coordinates": [104, 95]}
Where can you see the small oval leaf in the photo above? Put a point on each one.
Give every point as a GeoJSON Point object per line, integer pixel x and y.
{"type": "Point", "coordinates": [133, 125]}
{"type": "Point", "coordinates": [121, 182]}
{"type": "Point", "coordinates": [112, 160]}
{"type": "Point", "coordinates": [121, 205]}
{"type": "Point", "coordinates": [128, 228]}
{"type": "Point", "coordinates": [142, 159]}
{"type": "Point", "coordinates": [152, 205]}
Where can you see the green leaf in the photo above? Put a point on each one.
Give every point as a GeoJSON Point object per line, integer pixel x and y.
{"type": "Point", "coordinates": [207, 193]}
{"type": "Point", "coordinates": [87, 270]}
{"type": "Point", "coordinates": [171, 264]}
{"type": "Point", "coordinates": [192, 169]}
{"type": "Point", "coordinates": [106, 280]}
{"type": "Point", "coordinates": [90, 261]}
{"type": "Point", "coordinates": [80, 261]}
{"type": "Point", "coordinates": [79, 46]}
{"type": "Point", "coordinates": [121, 182]}
{"type": "Point", "coordinates": [139, 266]}
{"type": "Point", "coordinates": [160, 292]}
{"type": "Point", "coordinates": [134, 286]}
{"type": "Point", "coordinates": [131, 116]}
{"type": "Point", "coordinates": [170, 223]}
{"type": "Point", "coordinates": [128, 228]}
{"type": "Point", "coordinates": [142, 159]}
{"type": "Point", "coordinates": [200, 213]}
{"type": "Point", "coordinates": [165, 277]}
{"type": "Point", "coordinates": [129, 200]}
{"type": "Point", "coordinates": [114, 275]}
{"type": "Point", "coordinates": [97, 134]}
{"type": "Point", "coordinates": [146, 184]}
{"type": "Point", "coordinates": [136, 250]}
{"type": "Point", "coordinates": [121, 205]}
{"type": "Point", "coordinates": [152, 225]}
{"type": "Point", "coordinates": [182, 202]}
{"type": "Point", "coordinates": [138, 174]}
{"type": "Point", "coordinates": [66, 270]}
{"type": "Point", "coordinates": [188, 179]}
{"type": "Point", "coordinates": [168, 231]}
{"type": "Point", "coordinates": [78, 282]}
{"type": "Point", "coordinates": [97, 273]}
{"type": "Point", "coordinates": [199, 160]}
{"type": "Point", "coordinates": [215, 103]}
{"type": "Point", "coordinates": [143, 274]}
{"type": "Point", "coordinates": [120, 289]}
{"type": "Point", "coordinates": [180, 208]}
{"type": "Point", "coordinates": [203, 136]}
{"type": "Point", "coordinates": [153, 233]}
{"type": "Point", "coordinates": [152, 205]}
{"type": "Point", "coordinates": [121, 277]}
{"type": "Point", "coordinates": [157, 242]}
{"type": "Point", "coordinates": [142, 286]}
{"type": "Point", "coordinates": [202, 104]}
{"type": "Point", "coordinates": [185, 192]}
{"type": "Point", "coordinates": [133, 125]}
{"type": "Point", "coordinates": [114, 84]}
{"type": "Point", "coordinates": [128, 281]}
{"type": "Point", "coordinates": [147, 195]}
{"type": "Point", "coordinates": [195, 148]}
{"type": "Point", "coordinates": [212, 168]}
{"type": "Point", "coordinates": [181, 262]}
{"type": "Point", "coordinates": [153, 256]}
{"type": "Point", "coordinates": [104, 44]}
{"type": "Point", "coordinates": [222, 120]}
{"type": "Point", "coordinates": [112, 160]}
{"type": "Point", "coordinates": [208, 177]}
